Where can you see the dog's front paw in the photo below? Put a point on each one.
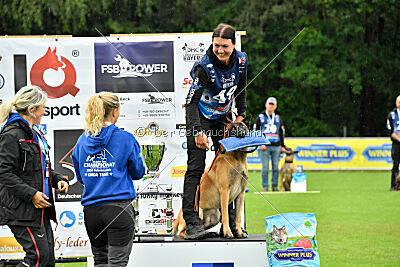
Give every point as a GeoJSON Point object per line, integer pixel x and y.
{"type": "Point", "coordinates": [241, 234]}
{"type": "Point", "coordinates": [228, 233]}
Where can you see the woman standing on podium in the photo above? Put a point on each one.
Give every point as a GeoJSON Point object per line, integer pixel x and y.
{"type": "Point", "coordinates": [106, 160]}
{"type": "Point", "coordinates": [218, 78]}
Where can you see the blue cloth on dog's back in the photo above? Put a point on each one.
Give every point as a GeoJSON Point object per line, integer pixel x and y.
{"type": "Point", "coordinates": [234, 143]}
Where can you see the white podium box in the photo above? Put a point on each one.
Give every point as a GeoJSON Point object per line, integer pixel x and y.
{"type": "Point", "coordinates": [299, 182]}
{"type": "Point", "coordinates": [150, 252]}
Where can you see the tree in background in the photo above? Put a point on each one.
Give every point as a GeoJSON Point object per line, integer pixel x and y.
{"type": "Point", "coordinates": [343, 71]}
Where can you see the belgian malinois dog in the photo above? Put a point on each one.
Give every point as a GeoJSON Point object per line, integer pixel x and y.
{"type": "Point", "coordinates": [287, 170]}
{"type": "Point", "coordinates": [222, 183]}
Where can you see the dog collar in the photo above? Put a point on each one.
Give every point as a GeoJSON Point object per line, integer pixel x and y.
{"type": "Point", "coordinates": [288, 161]}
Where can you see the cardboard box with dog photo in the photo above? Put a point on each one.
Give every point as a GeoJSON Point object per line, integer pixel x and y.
{"type": "Point", "coordinates": [291, 239]}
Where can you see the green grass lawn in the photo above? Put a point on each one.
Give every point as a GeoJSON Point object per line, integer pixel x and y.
{"type": "Point", "coordinates": [358, 217]}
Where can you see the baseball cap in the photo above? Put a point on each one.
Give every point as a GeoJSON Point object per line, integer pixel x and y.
{"type": "Point", "coordinates": [271, 100]}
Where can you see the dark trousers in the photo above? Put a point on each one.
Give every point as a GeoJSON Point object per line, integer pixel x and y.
{"type": "Point", "coordinates": [396, 161]}
{"type": "Point", "coordinates": [113, 246]}
{"type": "Point", "coordinates": [38, 243]}
{"type": "Point", "coordinates": [196, 165]}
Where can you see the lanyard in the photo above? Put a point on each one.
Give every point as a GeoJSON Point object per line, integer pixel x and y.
{"type": "Point", "coordinates": [45, 149]}
{"type": "Point", "coordinates": [271, 120]}
{"type": "Point", "coordinates": [398, 120]}
{"type": "Point", "coordinates": [42, 143]}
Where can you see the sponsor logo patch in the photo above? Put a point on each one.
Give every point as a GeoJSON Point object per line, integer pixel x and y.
{"type": "Point", "coordinates": [2, 81]}
{"type": "Point", "coordinates": [151, 99]}
{"type": "Point", "coordinates": [193, 51]}
{"type": "Point", "coordinates": [141, 67]}
{"type": "Point", "coordinates": [378, 153]}
{"type": "Point", "coordinates": [324, 153]}
{"type": "Point", "coordinates": [51, 60]}
{"type": "Point", "coordinates": [178, 171]}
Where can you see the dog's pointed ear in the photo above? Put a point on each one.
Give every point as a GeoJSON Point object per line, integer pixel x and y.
{"type": "Point", "coordinates": [246, 121]}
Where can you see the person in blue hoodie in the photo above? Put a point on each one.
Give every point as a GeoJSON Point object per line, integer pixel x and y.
{"type": "Point", "coordinates": [26, 177]}
{"type": "Point", "coordinates": [106, 160]}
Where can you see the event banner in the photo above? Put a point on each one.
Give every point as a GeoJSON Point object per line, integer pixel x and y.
{"type": "Point", "coordinates": [335, 154]}
{"type": "Point", "coordinates": [150, 75]}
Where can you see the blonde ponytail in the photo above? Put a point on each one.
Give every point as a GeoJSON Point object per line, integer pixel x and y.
{"type": "Point", "coordinates": [5, 110]}
{"type": "Point", "coordinates": [27, 97]}
{"type": "Point", "coordinates": [99, 107]}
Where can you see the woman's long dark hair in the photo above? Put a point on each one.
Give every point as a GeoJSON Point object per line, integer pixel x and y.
{"type": "Point", "coordinates": [225, 31]}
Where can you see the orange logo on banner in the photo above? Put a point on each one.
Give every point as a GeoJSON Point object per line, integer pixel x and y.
{"type": "Point", "coordinates": [50, 61]}
{"type": "Point", "coordinates": [178, 171]}
{"type": "Point", "coordinates": [10, 245]}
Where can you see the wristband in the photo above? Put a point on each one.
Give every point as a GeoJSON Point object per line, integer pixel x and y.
{"type": "Point", "coordinates": [197, 133]}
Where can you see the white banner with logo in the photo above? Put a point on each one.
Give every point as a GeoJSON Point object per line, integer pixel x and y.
{"type": "Point", "coordinates": [149, 73]}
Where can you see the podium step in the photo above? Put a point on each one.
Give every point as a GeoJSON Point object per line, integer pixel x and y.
{"type": "Point", "coordinates": [243, 252]}
{"type": "Point", "coordinates": [154, 251]}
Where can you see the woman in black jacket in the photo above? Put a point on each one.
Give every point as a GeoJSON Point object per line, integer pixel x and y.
{"type": "Point", "coordinates": [219, 77]}
{"type": "Point", "coordinates": [26, 177]}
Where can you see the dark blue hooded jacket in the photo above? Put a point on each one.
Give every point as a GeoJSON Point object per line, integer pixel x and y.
{"type": "Point", "coordinates": [16, 117]}
{"type": "Point", "coordinates": [22, 175]}
{"type": "Point", "coordinates": [106, 164]}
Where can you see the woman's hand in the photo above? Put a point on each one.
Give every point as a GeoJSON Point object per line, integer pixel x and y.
{"type": "Point", "coordinates": [263, 147]}
{"type": "Point", "coordinates": [39, 200]}
{"type": "Point", "coordinates": [202, 141]}
{"type": "Point", "coordinates": [62, 187]}
{"type": "Point", "coordinates": [239, 119]}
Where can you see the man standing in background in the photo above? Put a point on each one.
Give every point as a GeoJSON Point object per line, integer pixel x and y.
{"type": "Point", "coordinates": [272, 128]}
{"type": "Point", "coordinates": [393, 125]}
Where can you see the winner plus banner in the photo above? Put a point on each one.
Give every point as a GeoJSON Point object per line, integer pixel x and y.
{"type": "Point", "coordinates": [150, 75]}
{"type": "Point", "coordinates": [336, 153]}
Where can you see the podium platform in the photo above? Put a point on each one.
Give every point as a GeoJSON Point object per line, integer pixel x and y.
{"type": "Point", "coordinates": [154, 251]}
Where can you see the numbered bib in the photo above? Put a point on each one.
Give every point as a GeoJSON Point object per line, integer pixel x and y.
{"type": "Point", "coordinates": [272, 128]}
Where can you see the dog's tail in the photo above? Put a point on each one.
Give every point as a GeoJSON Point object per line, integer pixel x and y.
{"type": "Point", "coordinates": [175, 225]}
{"type": "Point", "coordinates": [197, 199]}
{"type": "Point", "coordinates": [179, 225]}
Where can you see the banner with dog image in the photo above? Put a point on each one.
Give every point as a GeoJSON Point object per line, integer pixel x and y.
{"type": "Point", "coordinates": [137, 67]}
{"type": "Point", "coordinates": [151, 76]}
{"type": "Point", "coordinates": [141, 73]}
{"type": "Point", "coordinates": [291, 239]}
{"type": "Point", "coordinates": [335, 154]}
